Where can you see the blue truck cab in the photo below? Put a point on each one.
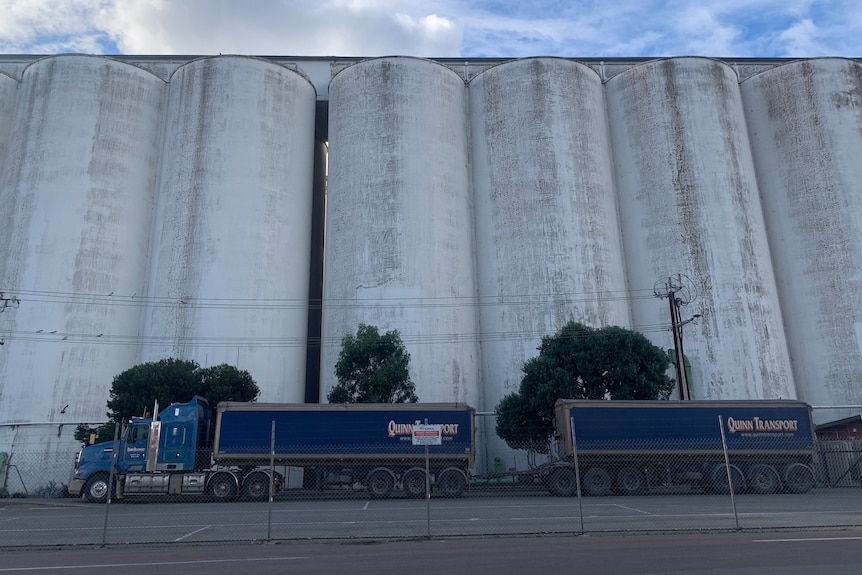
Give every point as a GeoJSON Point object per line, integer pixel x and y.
{"type": "Point", "coordinates": [180, 439]}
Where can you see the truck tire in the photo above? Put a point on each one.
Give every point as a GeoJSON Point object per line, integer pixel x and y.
{"type": "Point", "coordinates": [255, 487]}
{"type": "Point", "coordinates": [452, 482]}
{"type": "Point", "coordinates": [630, 481]}
{"type": "Point", "coordinates": [413, 483]}
{"type": "Point", "coordinates": [222, 487]}
{"type": "Point", "coordinates": [718, 479]}
{"type": "Point", "coordinates": [597, 482]}
{"type": "Point", "coordinates": [380, 483]}
{"type": "Point", "coordinates": [96, 488]}
{"type": "Point", "coordinates": [763, 479]}
{"type": "Point", "coordinates": [798, 478]}
{"type": "Point", "coordinates": [563, 482]}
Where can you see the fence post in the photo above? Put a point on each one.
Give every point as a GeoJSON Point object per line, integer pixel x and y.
{"type": "Point", "coordinates": [114, 455]}
{"type": "Point", "coordinates": [727, 467]}
{"type": "Point", "coordinates": [577, 473]}
{"type": "Point", "coordinates": [271, 482]}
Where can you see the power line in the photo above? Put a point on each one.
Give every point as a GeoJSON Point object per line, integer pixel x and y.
{"type": "Point", "coordinates": [233, 341]}
{"type": "Point", "coordinates": [52, 297]}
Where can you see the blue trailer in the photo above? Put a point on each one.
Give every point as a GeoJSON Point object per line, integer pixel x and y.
{"type": "Point", "coordinates": [630, 446]}
{"type": "Point", "coordinates": [188, 451]}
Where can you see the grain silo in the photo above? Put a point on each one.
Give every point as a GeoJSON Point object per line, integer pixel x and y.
{"type": "Point", "coordinates": [399, 245]}
{"type": "Point", "coordinates": [76, 194]}
{"type": "Point", "coordinates": [689, 208]}
{"type": "Point", "coordinates": [228, 279]}
{"type": "Point", "coordinates": [804, 124]}
{"type": "Point", "coordinates": [548, 240]}
{"type": "Point", "coordinates": [8, 90]}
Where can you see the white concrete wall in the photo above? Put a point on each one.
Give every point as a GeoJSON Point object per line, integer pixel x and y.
{"type": "Point", "coordinates": [231, 242]}
{"type": "Point", "coordinates": [76, 196]}
{"type": "Point", "coordinates": [547, 237]}
{"type": "Point", "coordinates": [8, 92]}
{"type": "Point", "coordinates": [77, 189]}
{"type": "Point", "coordinates": [399, 244]}
{"type": "Point", "coordinates": [806, 132]}
{"type": "Point", "coordinates": [689, 205]}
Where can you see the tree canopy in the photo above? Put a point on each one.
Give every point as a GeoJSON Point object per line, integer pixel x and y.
{"type": "Point", "coordinates": [134, 391]}
{"type": "Point", "coordinates": [580, 362]}
{"type": "Point", "coordinates": [373, 368]}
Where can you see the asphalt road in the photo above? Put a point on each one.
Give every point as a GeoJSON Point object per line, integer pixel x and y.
{"type": "Point", "coordinates": [37, 523]}
{"type": "Point", "coordinates": [762, 553]}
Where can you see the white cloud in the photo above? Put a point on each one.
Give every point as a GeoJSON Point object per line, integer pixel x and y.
{"type": "Point", "coordinates": [50, 26]}
{"type": "Point", "coordinates": [800, 39]}
{"type": "Point", "coordinates": [298, 27]}
{"type": "Point", "coordinates": [434, 28]}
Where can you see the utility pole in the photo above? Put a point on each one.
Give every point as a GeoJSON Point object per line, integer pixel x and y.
{"type": "Point", "coordinates": [678, 290]}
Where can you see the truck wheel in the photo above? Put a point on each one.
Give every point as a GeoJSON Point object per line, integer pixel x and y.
{"type": "Point", "coordinates": [452, 482]}
{"type": "Point", "coordinates": [763, 479]}
{"type": "Point", "coordinates": [96, 488]}
{"type": "Point", "coordinates": [414, 483]}
{"type": "Point", "coordinates": [222, 487]}
{"type": "Point", "coordinates": [563, 482]}
{"type": "Point", "coordinates": [380, 483]}
{"type": "Point", "coordinates": [630, 481]}
{"type": "Point", "coordinates": [718, 479]}
{"type": "Point", "coordinates": [798, 478]}
{"type": "Point", "coordinates": [597, 481]}
{"type": "Point", "coordinates": [256, 486]}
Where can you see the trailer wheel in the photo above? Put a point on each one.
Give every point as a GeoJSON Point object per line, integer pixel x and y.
{"type": "Point", "coordinates": [798, 478]}
{"type": "Point", "coordinates": [222, 487]}
{"type": "Point", "coordinates": [718, 479]}
{"type": "Point", "coordinates": [763, 479]}
{"type": "Point", "coordinates": [452, 482]}
{"type": "Point", "coordinates": [630, 481]}
{"type": "Point", "coordinates": [563, 482]}
{"type": "Point", "coordinates": [597, 481]}
{"type": "Point", "coordinates": [380, 483]}
{"type": "Point", "coordinates": [96, 488]}
{"type": "Point", "coordinates": [413, 482]}
{"type": "Point", "coordinates": [256, 486]}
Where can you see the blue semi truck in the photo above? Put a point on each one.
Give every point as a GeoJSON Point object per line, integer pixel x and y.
{"type": "Point", "coordinates": [187, 450]}
{"type": "Point", "coordinates": [627, 447]}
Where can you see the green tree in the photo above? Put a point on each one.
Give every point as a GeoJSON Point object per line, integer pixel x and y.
{"type": "Point", "coordinates": [134, 391]}
{"type": "Point", "coordinates": [580, 362]}
{"type": "Point", "coordinates": [372, 368]}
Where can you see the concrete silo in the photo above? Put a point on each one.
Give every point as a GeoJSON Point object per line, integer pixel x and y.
{"type": "Point", "coordinates": [228, 278]}
{"type": "Point", "coordinates": [806, 134]}
{"type": "Point", "coordinates": [76, 196]}
{"type": "Point", "coordinates": [689, 205]}
{"type": "Point", "coordinates": [548, 240]}
{"type": "Point", "coordinates": [8, 91]}
{"type": "Point", "coordinates": [399, 244]}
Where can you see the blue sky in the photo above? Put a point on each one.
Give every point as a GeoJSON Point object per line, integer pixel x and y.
{"type": "Point", "coordinates": [435, 28]}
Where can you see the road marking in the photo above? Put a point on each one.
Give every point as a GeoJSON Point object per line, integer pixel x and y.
{"type": "Point", "coordinates": [367, 503]}
{"type": "Point", "coordinates": [805, 539]}
{"type": "Point", "coordinates": [633, 509]}
{"type": "Point", "coordinates": [192, 533]}
{"type": "Point", "coordinates": [154, 564]}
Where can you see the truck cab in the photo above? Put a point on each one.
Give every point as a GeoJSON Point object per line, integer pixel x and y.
{"type": "Point", "coordinates": [180, 439]}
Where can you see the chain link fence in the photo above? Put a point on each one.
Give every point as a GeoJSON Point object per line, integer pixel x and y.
{"type": "Point", "coordinates": [323, 492]}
